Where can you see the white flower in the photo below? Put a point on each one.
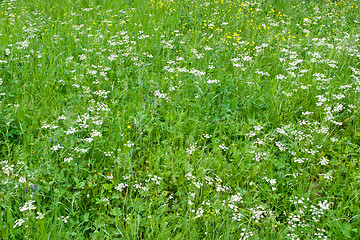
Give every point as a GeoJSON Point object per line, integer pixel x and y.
{"type": "Point", "coordinates": [189, 176]}
{"type": "Point", "coordinates": [68, 159]}
{"type": "Point", "coordinates": [199, 212]}
{"type": "Point", "coordinates": [236, 198]}
{"type": "Point", "coordinates": [198, 184]}
{"type": "Point", "coordinates": [280, 146]}
{"type": "Point", "coordinates": [207, 135]}
{"type": "Point", "coordinates": [56, 147]}
{"type": "Point", "coordinates": [237, 217]}
{"type": "Point", "coordinates": [40, 215]}
{"type": "Point", "coordinates": [121, 186]}
{"type": "Point", "coordinates": [70, 131]}
{"type": "Point", "coordinates": [280, 77]}
{"type": "Point", "coordinates": [258, 128]}
{"type": "Point", "coordinates": [191, 149]}
{"type": "Point", "coordinates": [223, 147]}
{"type": "Point", "coordinates": [324, 205]}
{"type": "Point", "coordinates": [89, 139]}
{"type": "Point", "coordinates": [64, 219]}
{"type": "Point", "coordinates": [327, 176]}
{"type": "Point", "coordinates": [82, 150]}
{"type": "Point", "coordinates": [108, 154]}
{"type": "Point", "coordinates": [324, 161]}
{"type": "Point", "coordinates": [300, 160]}
{"type": "Point", "coordinates": [272, 181]}
{"type": "Point", "coordinates": [28, 206]}
{"type": "Point", "coordinates": [22, 180]}
{"type": "Point", "coordinates": [18, 223]}
{"type": "Point", "coordinates": [156, 179]}
{"type": "Point", "coordinates": [246, 58]}
{"type": "Point", "coordinates": [129, 144]}
{"type": "Point", "coordinates": [251, 134]}
{"type": "Point", "coordinates": [213, 81]}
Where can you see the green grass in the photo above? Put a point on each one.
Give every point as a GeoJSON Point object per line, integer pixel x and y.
{"type": "Point", "coordinates": [179, 119]}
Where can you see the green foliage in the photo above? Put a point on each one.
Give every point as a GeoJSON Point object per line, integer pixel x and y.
{"type": "Point", "coordinates": [177, 119]}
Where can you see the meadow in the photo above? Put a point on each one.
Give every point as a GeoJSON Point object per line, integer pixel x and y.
{"type": "Point", "coordinates": [179, 119]}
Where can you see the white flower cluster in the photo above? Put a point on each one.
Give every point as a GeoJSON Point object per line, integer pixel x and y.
{"type": "Point", "coordinates": [108, 154]}
{"type": "Point", "coordinates": [191, 149]}
{"type": "Point", "coordinates": [324, 161]}
{"type": "Point", "coordinates": [298, 223]}
{"type": "Point", "coordinates": [140, 186]}
{"type": "Point", "coordinates": [199, 212]}
{"type": "Point", "coordinates": [207, 135]}
{"type": "Point", "coordinates": [271, 181]}
{"type": "Point", "coordinates": [159, 94]}
{"type": "Point", "coordinates": [81, 150]}
{"type": "Point", "coordinates": [7, 169]}
{"type": "Point", "coordinates": [235, 199]}
{"type": "Point", "coordinates": [64, 219]}
{"type": "Point", "coordinates": [18, 223]}
{"type": "Point", "coordinates": [121, 186]}
{"type": "Point", "coordinates": [39, 215]}
{"type": "Point", "coordinates": [28, 206]}
{"type": "Point", "coordinates": [300, 160]}
{"type": "Point", "coordinates": [327, 176]}
{"type": "Point", "coordinates": [259, 155]}
{"type": "Point", "coordinates": [213, 81]}
{"type": "Point", "coordinates": [95, 133]}
{"type": "Point", "coordinates": [258, 213]}
{"type": "Point", "coordinates": [281, 146]}
{"type": "Point", "coordinates": [129, 144]}
{"type": "Point", "coordinates": [223, 147]}
{"type": "Point", "coordinates": [245, 235]}
{"type": "Point", "coordinates": [154, 178]}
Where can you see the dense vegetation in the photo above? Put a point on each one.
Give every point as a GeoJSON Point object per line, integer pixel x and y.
{"type": "Point", "coordinates": [178, 119]}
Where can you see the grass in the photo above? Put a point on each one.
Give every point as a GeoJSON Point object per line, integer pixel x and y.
{"type": "Point", "coordinates": [179, 119]}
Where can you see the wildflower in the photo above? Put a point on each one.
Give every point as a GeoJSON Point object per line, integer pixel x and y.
{"type": "Point", "coordinates": [207, 135]}
{"type": "Point", "coordinates": [108, 154]}
{"type": "Point", "coordinates": [121, 186]}
{"type": "Point", "coordinates": [280, 146]}
{"type": "Point", "coordinates": [258, 128]}
{"type": "Point", "coordinates": [129, 144]}
{"type": "Point", "coordinates": [223, 147]}
{"type": "Point", "coordinates": [199, 212]}
{"type": "Point", "coordinates": [56, 147]}
{"type": "Point", "coordinates": [39, 215]}
{"type": "Point", "coordinates": [324, 161]}
{"type": "Point", "coordinates": [191, 149]}
{"type": "Point", "coordinates": [68, 159]}
{"type": "Point", "coordinates": [18, 223]}
{"type": "Point", "coordinates": [28, 206]}
{"type": "Point", "coordinates": [64, 219]}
